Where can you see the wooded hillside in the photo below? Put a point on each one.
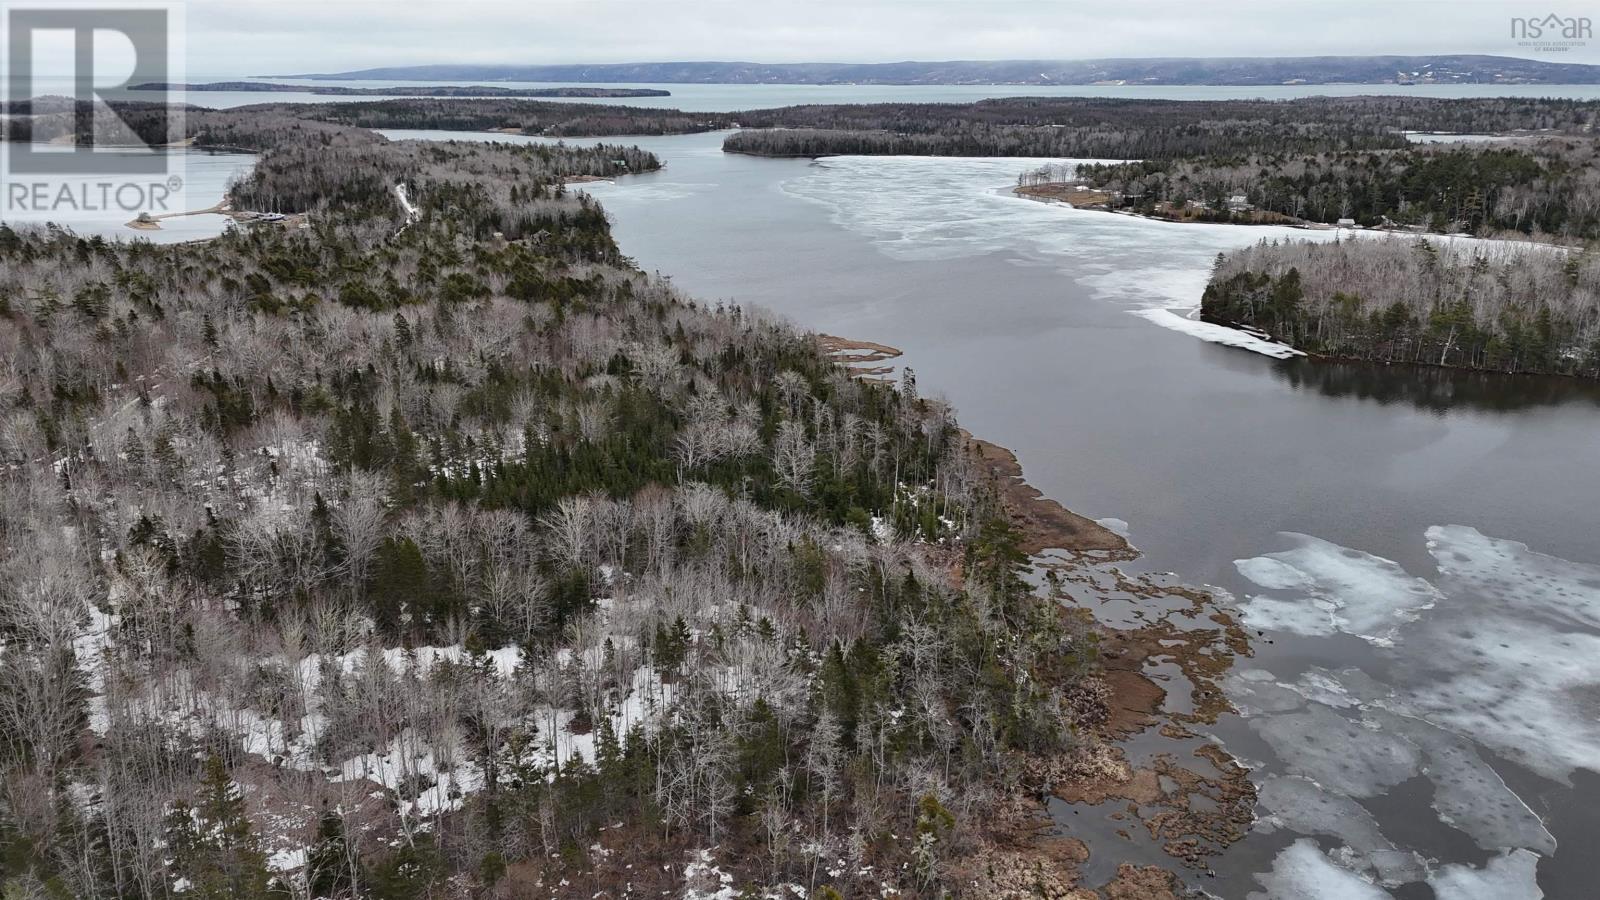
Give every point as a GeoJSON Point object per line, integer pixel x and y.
{"type": "Point", "coordinates": [1505, 307]}
{"type": "Point", "coordinates": [429, 550]}
{"type": "Point", "coordinates": [1546, 187]}
{"type": "Point", "coordinates": [1100, 128]}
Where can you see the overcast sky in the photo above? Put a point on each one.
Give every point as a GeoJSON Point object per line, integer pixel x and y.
{"type": "Point", "coordinates": [248, 37]}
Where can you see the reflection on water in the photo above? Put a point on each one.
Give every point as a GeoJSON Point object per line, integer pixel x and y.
{"type": "Point", "coordinates": [1434, 388]}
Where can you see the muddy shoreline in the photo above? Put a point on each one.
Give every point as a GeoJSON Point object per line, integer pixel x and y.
{"type": "Point", "coordinates": [1140, 795]}
{"type": "Point", "coordinates": [1042, 523]}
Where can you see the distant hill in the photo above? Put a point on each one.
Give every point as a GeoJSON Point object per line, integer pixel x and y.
{"type": "Point", "coordinates": [1212, 71]}
{"type": "Point", "coordinates": [262, 87]}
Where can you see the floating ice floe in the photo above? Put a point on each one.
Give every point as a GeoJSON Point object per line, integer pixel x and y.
{"type": "Point", "coordinates": [1303, 872]}
{"type": "Point", "coordinates": [1511, 876]}
{"type": "Point", "coordinates": [1116, 526]}
{"type": "Point", "coordinates": [1498, 651]}
{"type": "Point", "coordinates": [1254, 341]}
{"type": "Point", "coordinates": [1512, 660]}
{"type": "Point", "coordinates": [1335, 589]}
{"type": "Point", "coordinates": [1521, 687]}
{"type": "Point", "coordinates": [1256, 692]}
{"type": "Point", "coordinates": [1300, 805]}
{"type": "Point", "coordinates": [1508, 659]}
{"type": "Point", "coordinates": [1467, 793]}
{"type": "Point", "coordinates": [1342, 755]}
{"type": "Point", "coordinates": [1514, 577]}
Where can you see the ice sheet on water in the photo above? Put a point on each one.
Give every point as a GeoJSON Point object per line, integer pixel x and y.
{"type": "Point", "coordinates": [1352, 683]}
{"type": "Point", "coordinates": [1333, 589]}
{"type": "Point", "coordinates": [1511, 659]}
{"type": "Point", "coordinates": [1115, 525]}
{"type": "Point", "coordinates": [1274, 574]}
{"type": "Point", "coordinates": [1303, 872]}
{"type": "Point", "coordinates": [1513, 576]}
{"type": "Point", "coordinates": [1339, 754]}
{"type": "Point", "coordinates": [1528, 690]}
{"type": "Point", "coordinates": [1256, 692]}
{"type": "Point", "coordinates": [915, 207]}
{"type": "Point", "coordinates": [1309, 616]}
{"type": "Point", "coordinates": [1467, 792]}
{"type": "Point", "coordinates": [1217, 334]}
{"type": "Point", "coordinates": [1300, 805]}
{"type": "Point", "coordinates": [1507, 877]}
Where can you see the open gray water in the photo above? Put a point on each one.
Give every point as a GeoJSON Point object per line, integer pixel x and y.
{"type": "Point", "coordinates": [732, 97]}
{"type": "Point", "coordinates": [1418, 548]}
{"type": "Point", "coordinates": [206, 176]}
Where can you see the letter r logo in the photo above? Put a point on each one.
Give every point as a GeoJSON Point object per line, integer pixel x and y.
{"type": "Point", "coordinates": [147, 30]}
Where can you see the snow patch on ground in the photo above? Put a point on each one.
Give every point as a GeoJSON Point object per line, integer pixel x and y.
{"type": "Point", "coordinates": [704, 880]}
{"type": "Point", "coordinates": [882, 530]}
{"type": "Point", "coordinates": [405, 203]}
{"type": "Point", "coordinates": [286, 860]}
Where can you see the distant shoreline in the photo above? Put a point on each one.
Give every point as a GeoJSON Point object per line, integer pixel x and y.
{"type": "Point", "coordinates": [477, 90]}
{"type": "Point", "coordinates": [1058, 193]}
{"type": "Point", "coordinates": [1262, 71]}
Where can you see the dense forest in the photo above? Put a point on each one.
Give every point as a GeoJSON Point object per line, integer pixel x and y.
{"type": "Point", "coordinates": [1098, 128]}
{"type": "Point", "coordinates": [1478, 305]}
{"type": "Point", "coordinates": [1548, 186]}
{"type": "Point", "coordinates": [430, 550]}
{"type": "Point", "coordinates": [1074, 127]}
{"type": "Point", "coordinates": [523, 116]}
{"type": "Point", "coordinates": [52, 118]}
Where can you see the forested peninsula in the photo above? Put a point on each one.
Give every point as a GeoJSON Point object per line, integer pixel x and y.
{"type": "Point", "coordinates": [1121, 129]}
{"type": "Point", "coordinates": [1547, 188]}
{"type": "Point", "coordinates": [1500, 307]}
{"type": "Point", "coordinates": [425, 548]}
